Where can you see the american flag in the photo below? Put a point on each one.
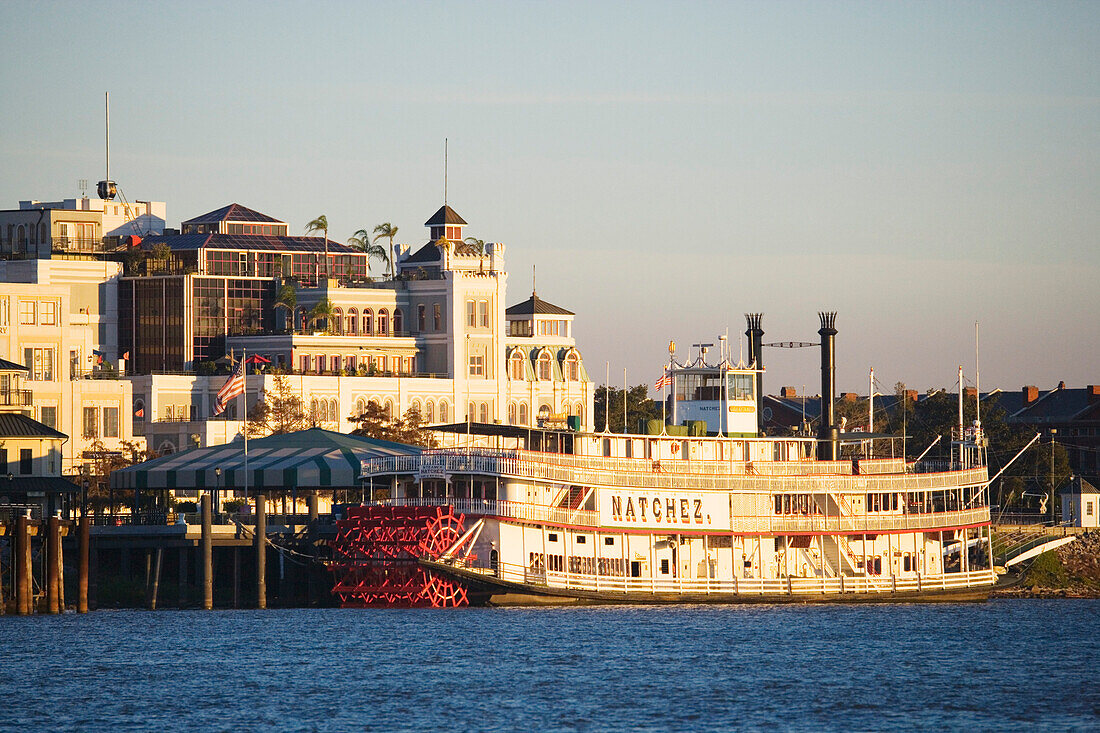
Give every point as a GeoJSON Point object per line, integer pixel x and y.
{"type": "Point", "coordinates": [663, 381]}
{"type": "Point", "coordinates": [233, 387]}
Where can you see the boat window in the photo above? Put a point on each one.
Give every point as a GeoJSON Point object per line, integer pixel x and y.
{"type": "Point", "coordinates": [552, 537]}
{"type": "Point", "coordinates": [581, 539]}
{"type": "Point", "coordinates": [609, 540]}
{"type": "Point", "coordinates": [664, 566]}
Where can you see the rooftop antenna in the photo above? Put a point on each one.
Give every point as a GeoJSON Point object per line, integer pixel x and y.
{"type": "Point", "coordinates": [977, 382]}
{"type": "Point", "coordinates": [445, 151]}
{"type": "Point", "coordinates": [106, 188]}
{"type": "Point", "coordinates": [533, 293]}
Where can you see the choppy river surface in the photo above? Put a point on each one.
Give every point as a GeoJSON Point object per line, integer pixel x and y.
{"type": "Point", "coordinates": [1004, 665]}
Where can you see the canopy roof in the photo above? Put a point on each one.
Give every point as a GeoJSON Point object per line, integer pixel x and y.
{"type": "Point", "coordinates": [307, 459]}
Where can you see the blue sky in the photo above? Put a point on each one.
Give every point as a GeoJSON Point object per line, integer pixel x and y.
{"type": "Point", "coordinates": [666, 167]}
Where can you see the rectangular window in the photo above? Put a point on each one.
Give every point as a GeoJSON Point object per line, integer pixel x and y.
{"type": "Point", "coordinates": [471, 316]}
{"type": "Point", "coordinates": [4, 311]}
{"type": "Point", "coordinates": [483, 313]}
{"type": "Point", "coordinates": [27, 312]}
{"type": "Point", "coordinates": [334, 363]}
{"type": "Point", "coordinates": [303, 362]}
{"type": "Point", "coordinates": [477, 365]}
{"type": "Point", "coordinates": [552, 537]}
{"type": "Point", "coordinates": [26, 461]}
{"type": "Point", "coordinates": [48, 416]}
{"type": "Point", "coordinates": [664, 566]}
{"type": "Point", "coordinates": [581, 539]}
{"type": "Point", "coordinates": [1088, 508]}
{"type": "Point", "coordinates": [421, 318]}
{"type": "Point", "coordinates": [110, 422]}
{"type": "Point", "coordinates": [437, 316]}
{"type": "Point", "coordinates": [47, 313]}
{"type": "Point", "coordinates": [609, 540]}
{"type": "Point", "coordinates": [91, 422]}
{"type": "Point", "coordinates": [39, 363]}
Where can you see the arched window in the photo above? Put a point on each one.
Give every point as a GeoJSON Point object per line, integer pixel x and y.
{"type": "Point", "coordinates": [573, 367]}
{"type": "Point", "coordinates": [166, 449]}
{"type": "Point", "coordinates": [368, 321]}
{"type": "Point", "coordinates": [337, 320]}
{"type": "Point", "coordinates": [139, 410]}
{"type": "Point", "coordinates": [578, 410]}
{"type": "Point", "coordinates": [383, 322]}
{"type": "Point", "coordinates": [315, 411]}
{"type": "Point", "coordinates": [442, 411]}
{"type": "Point", "coordinates": [360, 406]}
{"type": "Point", "coordinates": [523, 414]}
{"type": "Point", "coordinates": [546, 369]}
{"type": "Point", "coordinates": [42, 233]}
{"type": "Point", "coordinates": [332, 410]}
{"type": "Point", "coordinates": [515, 365]}
{"type": "Point", "coordinates": [398, 321]}
{"type": "Point", "coordinates": [353, 321]}
{"type": "Point", "coordinates": [387, 409]}
{"type": "Point", "coordinates": [415, 406]}
{"type": "Point", "coordinates": [429, 411]}
{"type": "Point", "coordinates": [300, 319]}
{"type": "Point", "coordinates": [21, 236]}
{"type": "Point", "coordinates": [483, 415]}
{"type": "Point", "coordinates": [471, 411]}
{"type": "Point", "coordinates": [511, 413]}
{"type": "Point", "coordinates": [545, 411]}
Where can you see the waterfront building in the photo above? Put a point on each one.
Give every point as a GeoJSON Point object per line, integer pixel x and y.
{"type": "Point", "coordinates": [30, 452]}
{"type": "Point", "coordinates": [1080, 504]}
{"type": "Point", "coordinates": [437, 338]}
{"type": "Point", "coordinates": [76, 228]}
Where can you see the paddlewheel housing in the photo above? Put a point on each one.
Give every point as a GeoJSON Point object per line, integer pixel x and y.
{"type": "Point", "coordinates": [375, 553]}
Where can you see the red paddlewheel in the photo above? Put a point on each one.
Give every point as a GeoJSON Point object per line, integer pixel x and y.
{"type": "Point", "coordinates": [375, 552]}
{"type": "Point", "coordinates": [444, 593]}
{"type": "Point", "coordinates": [442, 532]}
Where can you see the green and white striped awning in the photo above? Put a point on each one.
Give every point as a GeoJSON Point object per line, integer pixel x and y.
{"type": "Point", "coordinates": [308, 459]}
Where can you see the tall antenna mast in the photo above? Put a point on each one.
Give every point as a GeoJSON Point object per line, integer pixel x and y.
{"type": "Point", "coordinates": [107, 113]}
{"type": "Point", "coordinates": [977, 382]}
{"type": "Point", "coordinates": [445, 151]}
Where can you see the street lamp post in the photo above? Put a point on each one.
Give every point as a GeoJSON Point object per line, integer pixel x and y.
{"type": "Point", "coordinates": [1053, 432]}
{"type": "Point", "coordinates": [217, 488]}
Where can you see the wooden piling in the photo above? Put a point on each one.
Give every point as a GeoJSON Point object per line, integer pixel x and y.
{"type": "Point", "coordinates": [182, 581]}
{"type": "Point", "coordinates": [22, 563]}
{"type": "Point", "coordinates": [207, 556]}
{"type": "Point", "coordinates": [82, 570]}
{"type": "Point", "coordinates": [155, 586]}
{"type": "Point", "coordinates": [53, 550]}
{"type": "Point", "coordinates": [311, 502]}
{"type": "Point", "coordinates": [260, 538]}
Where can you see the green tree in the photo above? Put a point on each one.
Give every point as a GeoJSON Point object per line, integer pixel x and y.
{"type": "Point", "coordinates": [161, 254]}
{"type": "Point", "coordinates": [287, 298]}
{"type": "Point", "coordinates": [322, 312]}
{"type": "Point", "coordinates": [389, 231]}
{"type": "Point", "coordinates": [374, 423]}
{"type": "Point", "coordinates": [320, 224]}
{"type": "Point", "coordinates": [362, 242]}
{"type": "Point", "coordinates": [472, 246]}
{"type": "Point", "coordinates": [639, 407]}
{"type": "Point", "coordinates": [281, 411]}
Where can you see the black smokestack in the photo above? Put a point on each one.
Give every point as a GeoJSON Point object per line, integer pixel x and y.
{"type": "Point", "coordinates": [827, 436]}
{"type": "Point", "coordinates": [755, 336]}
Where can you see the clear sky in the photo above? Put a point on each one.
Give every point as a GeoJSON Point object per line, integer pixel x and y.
{"type": "Point", "coordinates": [667, 167]}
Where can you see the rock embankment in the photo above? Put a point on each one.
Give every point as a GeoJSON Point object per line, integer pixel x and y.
{"type": "Point", "coordinates": [1071, 571]}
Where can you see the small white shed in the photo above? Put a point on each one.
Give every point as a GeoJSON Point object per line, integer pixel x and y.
{"type": "Point", "coordinates": [1081, 504]}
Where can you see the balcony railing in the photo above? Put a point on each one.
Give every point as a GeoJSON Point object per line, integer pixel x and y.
{"type": "Point", "coordinates": [16, 398]}
{"type": "Point", "coordinates": [85, 245]}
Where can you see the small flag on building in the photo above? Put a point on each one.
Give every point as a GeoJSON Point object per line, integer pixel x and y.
{"type": "Point", "coordinates": [99, 356]}
{"type": "Point", "coordinates": [663, 381]}
{"type": "Point", "coordinates": [126, 356]}
{"type": "Point", "coordinates": [233, 387]}
{"type": "Point", "coordinates": [140, 412]}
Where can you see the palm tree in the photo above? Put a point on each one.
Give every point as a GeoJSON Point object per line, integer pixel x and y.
{"type": "Point", "coordinates": [362, 242]}
{"type": "Point", "coordinates": [473, 246]}
{"type": "Point", "coordinates": [386, 230]}
{"type": "Point", "coordinates": [323, 311]}
{"type": "Point", "coordinates": [320, 224]}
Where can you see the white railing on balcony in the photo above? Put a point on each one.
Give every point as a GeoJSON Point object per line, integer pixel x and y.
{"type": "Point", "coordinates": [666, 474]}
{"type": "Point", "coordinates": [507, 510]}
{"type": "Point", "coordinates": [910, 583]}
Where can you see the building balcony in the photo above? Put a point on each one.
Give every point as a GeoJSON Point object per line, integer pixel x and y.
{"type": "Point", "coordinates": [78, 245]}
{"type": "Point", "coordinates": [16, 398]}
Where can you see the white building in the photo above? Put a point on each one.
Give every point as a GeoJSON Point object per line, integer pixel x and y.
{"type": "Point", "coordinates": [1081, 504]}
{"type": "Point", "coordinates": [438, 339]}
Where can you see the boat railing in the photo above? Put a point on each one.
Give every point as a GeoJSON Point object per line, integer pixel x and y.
{"type": "Point", "coordinates": [788, 585]}
{"type": "Point", "coordinates": [740, 523]}
{"type": "Point", "coordinates": [517, 510]}
{"type": "Point", "coordinates": [657, 474]}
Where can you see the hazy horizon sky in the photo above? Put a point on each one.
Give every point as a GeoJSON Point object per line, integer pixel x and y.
{"type": "Point", "coordinates": [667, 167]}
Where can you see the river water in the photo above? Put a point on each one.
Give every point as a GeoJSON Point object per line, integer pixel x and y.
{"type": "Point", "coordinates": [1003, 665]}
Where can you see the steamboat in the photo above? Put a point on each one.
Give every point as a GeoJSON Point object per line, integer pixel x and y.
{"type": "Point", "coordinates": [508, 515]}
